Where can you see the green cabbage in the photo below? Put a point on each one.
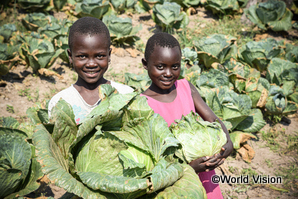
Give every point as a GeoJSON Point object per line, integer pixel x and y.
{"type": "Point", "coordinates": [198, 138]}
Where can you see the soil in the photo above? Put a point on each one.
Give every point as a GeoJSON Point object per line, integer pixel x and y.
{"type": "Point", "coordinates": [20, 89]}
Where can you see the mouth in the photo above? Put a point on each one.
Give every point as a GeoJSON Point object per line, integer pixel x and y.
{"type": "Point", "coordinates": [167, 82]}
{"type": "Point", "coordinates": [91, 73]}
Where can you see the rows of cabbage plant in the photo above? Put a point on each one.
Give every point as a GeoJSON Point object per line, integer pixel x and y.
{"type": "Point", "coordinates": [46, 37]}
{"type": "Point", "coordinates": [240, 83]}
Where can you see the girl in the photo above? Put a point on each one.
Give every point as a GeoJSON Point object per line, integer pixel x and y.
{"type": "Point", "coordinates": [172, 98]}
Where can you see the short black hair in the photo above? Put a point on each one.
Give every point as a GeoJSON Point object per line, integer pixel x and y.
{"type": "Point", "coordinates": [89, 26]}
{"type": "Point", "coordinates": [160, 39]}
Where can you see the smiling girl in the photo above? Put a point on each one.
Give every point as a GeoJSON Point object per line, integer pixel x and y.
{"type": "Point", "coordinates": [172, 98]}
{"type": "Point", "coordinates": [89, 52]}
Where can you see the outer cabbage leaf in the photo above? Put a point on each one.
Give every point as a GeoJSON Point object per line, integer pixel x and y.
{"type": "Point", "coordinates": [101, 149]}
{"type": "Point", "coordinates": [189, 185]}
{"type": "Point", "coordinates": [291, 53]}
{"type": "Point", "coordinates": [139, 82]}
{"type": "Point", "coordinates": [168, 16]}
{"type": "Point", "coordinates": [15, 160]}
{"type": "Point", "coordinates": [93, 8]}
{"type": "Point", "coordinates": [253, 123]}
{"type": "Point", "coordinates": [151, 135]}
{"type": "Point", "coordinates": [233, 107]}
{"type": "Point", "coordinates": [56, 168]}
{"type": "Point", "coordinates": [239, 137]}
{"type": "Point", "coordinates": [272, 14]}
{"type": "Point", "coordinates": [65, 129]}
{"type": "Point", "coordinates": [198, 138]}
{"type": "Point", "coordinates": [121, 29]}
{"type": "Point", "coordinates": [222, 6]}
{"type": "Point", "coordinates": [215, 48]}
{"type": "Point", "coordinates": [258, 54]}
{"type": "Point", "coordinates": [280, 71]}
{"type": "Point", "coordinates": [137, 109]}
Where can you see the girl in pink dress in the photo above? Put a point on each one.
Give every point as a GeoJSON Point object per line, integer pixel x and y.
{"type": "Point", "coordinates": [172, 98]}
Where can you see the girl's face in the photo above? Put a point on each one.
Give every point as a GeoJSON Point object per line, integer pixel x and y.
{"type": "Point", "coordinates": [163, 66]}
{"type": "Point", "coordinates": [90, 56]}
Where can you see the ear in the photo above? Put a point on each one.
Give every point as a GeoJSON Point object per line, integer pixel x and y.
{"type": "Point", "coordinates": [144, 62]}
{"type": "Point", "coordinates": [69, 56]}
{"type": "Point", "coordinates": [110, 51]}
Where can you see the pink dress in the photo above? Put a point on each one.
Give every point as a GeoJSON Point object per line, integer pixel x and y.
{"type": "Point", "coordinates": [182, 105]}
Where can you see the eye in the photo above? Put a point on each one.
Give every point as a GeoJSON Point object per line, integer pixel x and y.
{"type": "Point", "coordinates": [176, 67]}
{"type": "Point", "coordinates": [159, 67]}
{"type": "Point", "coordinates": [81, 56]}
{"type": "Point", "coordinates": [100, 56]}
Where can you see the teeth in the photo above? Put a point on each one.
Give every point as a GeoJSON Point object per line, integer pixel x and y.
{"type": "Point", "coordinates": [91, 72]}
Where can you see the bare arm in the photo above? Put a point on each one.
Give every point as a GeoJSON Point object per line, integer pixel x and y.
{"type": "Point", "coordinates": [207, 114]}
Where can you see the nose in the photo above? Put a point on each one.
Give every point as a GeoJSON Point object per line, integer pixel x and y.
{"type": "Point", "coordinates": [168, 72]}
{"type": "Point", "coordinates": [91, 63]}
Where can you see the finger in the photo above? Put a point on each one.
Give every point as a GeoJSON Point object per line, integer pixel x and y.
{"type": "Point", "coordinates": [212, 164]}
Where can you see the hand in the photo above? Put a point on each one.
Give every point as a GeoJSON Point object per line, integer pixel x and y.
{"type": "Point", "coordinates": [210, 163]}
{"type": "Point", "coordinates": [205, 163]}
{"type": "Point", "coordinates": [226, 149]}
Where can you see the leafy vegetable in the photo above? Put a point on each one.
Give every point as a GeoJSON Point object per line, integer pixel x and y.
{"type": "Point", "coordinates": [19, 169]}
{"type": "Point", "coordinates": [198, 138]}
{"type": "Point", "coordinates": [215, 48]}
{"type": "Point", "coordinates": [168, 16]}
{"type": "Point", "coordinates": [271, 14]}
{"type": "Point", "coordinates": [137, 159]}
{"type": "Point", "coordinates": [121, 29]}
{"type": "Point", "coordinates": [33, 5]}
{"type": "Point", "coordinates": [222, 6]}
{"type": "Point", "coordinates": [6, 30]}
{"type": "Point", "coordinates": [92, 8]}
{"type": "Point", "coordinates": [33, 21]}
{"type": "Point", "coordinates": [258, 54]}
{"type": "Point", "coordinates": [38, 53]}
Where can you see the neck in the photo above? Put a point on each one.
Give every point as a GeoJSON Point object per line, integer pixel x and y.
{"type": "Point", "coordinates": [90, 86]}
{"type": "Point", "coordinates": [158, 90]}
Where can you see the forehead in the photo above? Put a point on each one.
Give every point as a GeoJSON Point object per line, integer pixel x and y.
{"type": "Point", "coordinates": [163, 52]}
{"type": "Point", "coordinates": [91, 39]}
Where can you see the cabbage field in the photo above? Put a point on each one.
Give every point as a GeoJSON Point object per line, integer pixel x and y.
{"type": "Point", "coordinates": [241, 55]}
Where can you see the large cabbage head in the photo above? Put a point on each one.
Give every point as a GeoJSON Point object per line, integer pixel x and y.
{"type": "Point", "coordinates": [198, 138]}
{"type": "Point", "coordinates": [215, 48]}
{"type": "Point", "coordinates": [259, 53]}
{"type": "Point", "coordinates": [273, 14]}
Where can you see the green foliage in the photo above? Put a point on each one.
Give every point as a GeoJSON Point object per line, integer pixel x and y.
{"type": "Point", "coordinates": [33, 5]}
{"type": "Point", "coordinates": [33, 21]}
{"type": "Point", "coordinates": [120, 5]}
{"type": "Point", "coordinates": [136, 157]}
{"type": "Point", "coordinates": [259, 53]}
{"type": "Point", "coordinates": [191, 133]}
{"type": "Point", "coordinates": [8, 52]}
{"type": "Point", "coordinates": [121, 30]}
{"type": "Point", "coordinates": [222, 6]}
{"type": "Point", "coordinates": [19, 169]}
{"type": "Point", "coordinates": [93, 8]}
{"type": "Point", "coordinates": [215, 48]}
{"type": "Point", "coordinates": [291, 53]}
{"type": "Point", "coordinates": [272, 14]}
{"type": "Point", "coordinates": [189, 57]}
{"type": "Point", "coordinates": [6, 30]}
{"type": "Point", "coordinates": [168, 16]}
{"type": "Point", "coordinates": [38, 53]}
{"type": "Point", "coordinates": [58, 4]}
{"type": "Point", "coordinates": [139, 82]}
